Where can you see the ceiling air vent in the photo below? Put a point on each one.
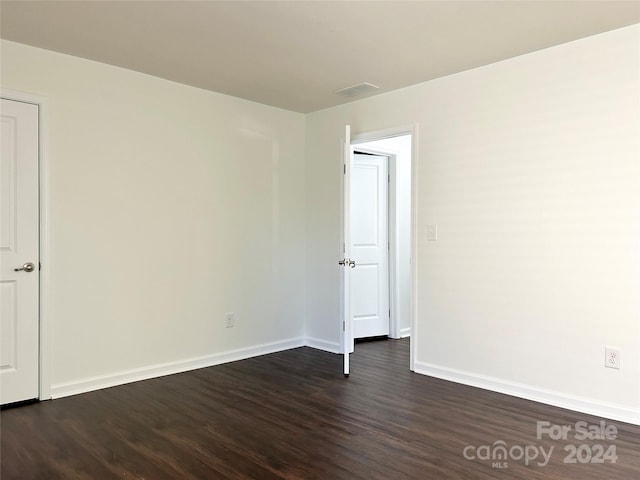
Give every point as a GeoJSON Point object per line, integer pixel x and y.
{"type": "Point", "coordinates": [357, 90]}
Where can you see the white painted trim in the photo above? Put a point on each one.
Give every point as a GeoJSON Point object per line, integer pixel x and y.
{"type": "Point", "coordinates": [413, 315]}
{"type": "Point", "coordinates": [153, 371]}
{"type": "Point", "coordinates": [364, 137]}
{"type": "Point", "coordinates": [318, 344]}
{"type": "Point", "coordinates": [45, 332]}
{"type": "Point", "coordinates": [392, 239]}
{"type": "Point", "coordinates": [549, 397]}
{"type": "Point", "coordinates": [405, 332]}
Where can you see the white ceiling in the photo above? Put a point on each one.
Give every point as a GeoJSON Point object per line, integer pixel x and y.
{"type": "Point", "coordinates": [295, 54]}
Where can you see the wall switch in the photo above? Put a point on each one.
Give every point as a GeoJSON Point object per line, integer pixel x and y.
{"type": "Point", "coordinates": [612, 357]}
{"type": "Point", "coordinates": [230, 320]}
{"type": "Point", "coordinates": [432, 232]}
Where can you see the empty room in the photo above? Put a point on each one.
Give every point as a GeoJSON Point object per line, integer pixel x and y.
{"type": "Point", "coordinates": [320, 240]}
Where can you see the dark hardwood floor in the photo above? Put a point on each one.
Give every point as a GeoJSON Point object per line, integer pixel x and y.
{"type": "Point", "coordinates": [292, 415]}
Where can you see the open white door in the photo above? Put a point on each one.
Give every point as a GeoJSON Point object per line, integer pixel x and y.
{"type": "Point", "coordinates": [19, 252]}
{"type": "Point", "coordinates": [345, 263]}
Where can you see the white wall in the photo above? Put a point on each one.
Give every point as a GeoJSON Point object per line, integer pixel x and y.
{"type": "Point", "coordinates": [170, 206]}
{"type": "Point", "coordinates": [530, 168]}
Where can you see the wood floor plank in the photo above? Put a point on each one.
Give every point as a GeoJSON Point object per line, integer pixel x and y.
{"type": "Point", "coordinates": [292, 415]}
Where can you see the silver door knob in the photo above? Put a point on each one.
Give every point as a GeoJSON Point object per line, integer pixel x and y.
{"type": "Point", "coordinates": [342, 262]}
{"type": "Point", "coordinates": [352, 263]}
{"type": "Point", "coordinates": [27, 267]}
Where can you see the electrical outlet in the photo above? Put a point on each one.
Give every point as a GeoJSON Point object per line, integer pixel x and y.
{"type": "Point", "coordinates": [230, 320]}
{"type": "Point", "coordinates": [612, 357]}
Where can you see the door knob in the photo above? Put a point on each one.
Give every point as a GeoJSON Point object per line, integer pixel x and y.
{"type": "Point", "coordinates": [347, 263]}
{"type": "Point", "coordinates": [27, 267]}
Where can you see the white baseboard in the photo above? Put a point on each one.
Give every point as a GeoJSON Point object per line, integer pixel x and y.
{"type": "Point", "coordinates": [120, 378]}
{"type": "Point", "coordinates": [613, 412]}
{"type": "Point", "coordinates": [557, 399]}
{"type": "Point", "coordinates": [318, 344]}
{"type": "Point", "coordinates": [405, 332]}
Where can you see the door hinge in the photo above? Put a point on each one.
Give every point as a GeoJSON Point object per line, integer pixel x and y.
{"type": "Point", "coordinates": [344, 326]}
{"type": "Point", "coordinates": [344, 247]}
{"type": "Point", "coordinates": [344, 168]}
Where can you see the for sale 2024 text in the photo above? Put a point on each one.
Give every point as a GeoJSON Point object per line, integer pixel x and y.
{"type": "Point", "coordinates": [582, 431]}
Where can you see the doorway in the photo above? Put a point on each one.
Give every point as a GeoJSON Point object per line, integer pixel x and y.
{"type": "Point", "coordinates": [397, 149]}
{"type": "Point", "coordinates": [369, 244]}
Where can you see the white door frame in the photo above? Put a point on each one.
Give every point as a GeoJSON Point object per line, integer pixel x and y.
{"type": "Point", "coordinates": [45, 270]}
{"type": "Point", "coordinates": [412, 130]}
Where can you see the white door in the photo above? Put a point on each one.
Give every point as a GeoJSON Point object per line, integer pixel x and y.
{"type": "Point", "coordinates": [369, 245]}
{"type": "Point", "coordinates": [347, 332]}
{"type": "Point", "coordinates": [19, 259]}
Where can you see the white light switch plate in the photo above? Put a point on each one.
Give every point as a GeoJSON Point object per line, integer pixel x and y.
{"type": "Point", "coordinates": [432, 233]}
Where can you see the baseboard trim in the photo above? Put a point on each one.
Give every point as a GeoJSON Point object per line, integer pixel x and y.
{"type": "Point", "coordinates": [557, 399]}
{"type": "Point", "coordinates": [332, 347]}
{"type": "Point", "coordinates": [134, 375]}
{"type": "Point", "coordinates": [405, 332]}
